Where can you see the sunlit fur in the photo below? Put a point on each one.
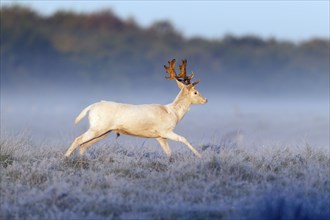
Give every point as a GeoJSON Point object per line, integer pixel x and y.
{"type": "Point", "coordinates": [149, 121]}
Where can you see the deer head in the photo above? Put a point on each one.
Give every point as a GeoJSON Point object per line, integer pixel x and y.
{"type": "Point", "coordinates": [184, 81]}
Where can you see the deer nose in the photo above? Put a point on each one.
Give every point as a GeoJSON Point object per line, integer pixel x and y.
{"type": "Point", "coordinates": [206, 100]}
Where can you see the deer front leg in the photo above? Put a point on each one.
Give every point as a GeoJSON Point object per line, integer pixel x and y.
{"type": "Point", "coordinates": [164, 144]}
{"type": "Point", "coordinates": [175, 137]}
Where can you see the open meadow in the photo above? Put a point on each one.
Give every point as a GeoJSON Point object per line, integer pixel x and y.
{"type": "Point", "coordinates": [113, 181]}
{"type": "Point", "coordinates": [244, 172]}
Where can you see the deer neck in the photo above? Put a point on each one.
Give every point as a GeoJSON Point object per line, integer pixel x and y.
{"type": "Point", "coordinates": [180, 106]}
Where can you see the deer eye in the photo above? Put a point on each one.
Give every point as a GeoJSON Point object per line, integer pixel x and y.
{"type": "Point", "coordinates": [196, 93]}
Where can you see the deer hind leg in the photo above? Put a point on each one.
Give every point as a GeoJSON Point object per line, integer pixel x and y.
{"type": "Point", "coordinates": [175, 137]}
{"type": "Point", "coordinates": [165, 146]}
{"type": "Point", "coordinates": [88, 136]}
{"type": "Point", "coordinates": [86, 145]}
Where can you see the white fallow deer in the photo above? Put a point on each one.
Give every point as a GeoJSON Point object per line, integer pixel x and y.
{"type": "Point", "coordinates": [148, 121]}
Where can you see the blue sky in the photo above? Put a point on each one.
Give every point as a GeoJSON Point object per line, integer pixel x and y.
{"type": "Point", "coordinates": [286, 20]}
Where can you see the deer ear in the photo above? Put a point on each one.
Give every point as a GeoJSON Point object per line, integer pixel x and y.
{"type": "Point", "coordinates": [180, 84]}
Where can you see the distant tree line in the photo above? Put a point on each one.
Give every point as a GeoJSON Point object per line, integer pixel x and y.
{"type": "Point", "coordinates": [71, 47]}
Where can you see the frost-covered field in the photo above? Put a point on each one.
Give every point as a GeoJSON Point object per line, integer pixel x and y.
{"type": "Point", "coordinates": [118, 181]}
{"type": "Point", "coordinates": [262, 159]}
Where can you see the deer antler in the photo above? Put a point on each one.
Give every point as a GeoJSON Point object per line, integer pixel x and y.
{"type": "Point", "coordinates": [170, 69]}
{"type": "Point", "coordinates": [191, 76]}
{"type": "Point", "coordinates": [182, 77]}
{"type": "Point", "coordinates": [183, 70]}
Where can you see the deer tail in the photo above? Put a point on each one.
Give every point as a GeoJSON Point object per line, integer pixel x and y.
{"type": "Point", "coordinates": [82, 114]}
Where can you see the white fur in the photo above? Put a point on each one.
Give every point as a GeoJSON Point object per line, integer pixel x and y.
{"type": "Point", "coordinates": [149, 121]}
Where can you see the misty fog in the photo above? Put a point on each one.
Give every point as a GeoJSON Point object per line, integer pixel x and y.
{"type": "Point", "coordinates": [47, 114]}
